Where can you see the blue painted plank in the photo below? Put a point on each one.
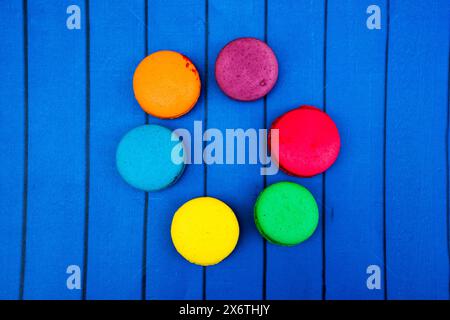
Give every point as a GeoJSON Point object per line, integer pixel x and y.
{"type": "Point", "coordinates": [12, 116]}
{"type": "Point", "coordinates": [416, 207]}
{"type": "Point", "coordinates": [56, 171]}
{"type": "Point", "coordinates": [116, 210]}
{"type": "Point", "coordinates": [240, 275]}
{"type": "Point", "coordinates": [296, 34]}
{"type": "Point", "coordinates": [179, 26]}
{"type": "Point", "coordinates": [354, 185]}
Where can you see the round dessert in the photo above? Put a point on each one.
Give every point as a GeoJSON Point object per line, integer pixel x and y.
{"type": "Point", "coordinates": [286, 213]}
{"type": "Point", "coordinates": [204, 231]}
{"type": "Point", "coordinates": [309, 141]}
{"type": "Point", "coordinates": [166, 84]}
{"type": "Point", "coordinates": [144, 157]}
{"type": "Point", "coordinates": [246, 69]}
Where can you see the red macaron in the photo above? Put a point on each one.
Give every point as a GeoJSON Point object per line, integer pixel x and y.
{"type": "Point", "coordinates": [309, 141]}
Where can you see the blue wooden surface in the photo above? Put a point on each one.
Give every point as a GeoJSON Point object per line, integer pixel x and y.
{"type": "Point", "coordinates": [296, 34]}
{"type": "Point", "coordinates": [56, 151]}
{"type": "Point", "coordinates": [416, 130]}
{"type": "Point", "coordinates": [66, 100]}
{"type": "Point", "coordinates": [240, 276]}
{"type": "Point", "coordinates": [116, 211]}
{"type": "Point", "coordinates": [179, 26]}
{"type": "Point", "coordinates": [12, 132]}
{"type": "Point", "coordinates": [354, 187]}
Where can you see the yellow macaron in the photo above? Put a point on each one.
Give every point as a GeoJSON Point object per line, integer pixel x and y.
{"type": "Point", "coordinates": [166, 84]}
{"type": "Point", "coordinates": [204, 231]}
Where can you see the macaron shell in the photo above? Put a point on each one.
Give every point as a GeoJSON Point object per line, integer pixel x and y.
{"type": "Point", "coordinates": [246, 69]}
{"type": "Point", "coordinates": [266, 236]}
{"type": "Point", "coordinates": [286, 214]}
{"type": "Point", "coordinates": [309, 141]}
{"type": "Point", "coordinates": [144, 160]}
{"type": "Point", "coordinates": [166, 84]}
{"type": "Point", "coordinates": [204, 231]}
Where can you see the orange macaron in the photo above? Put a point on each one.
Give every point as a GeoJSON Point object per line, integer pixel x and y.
{"type": "Point", "coordinates": [166, 84]}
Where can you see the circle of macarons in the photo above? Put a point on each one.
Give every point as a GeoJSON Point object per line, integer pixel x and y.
{"type": "Point", "coordinates": [144, 157]}
{"type": "Point", "coordinates": [286, 213]}
{"type": "Point", "coordinates": [246, 69]}
{"type": "Point", "coordinates": [309, 141]}
{"type": "Point", "coordinates": [166, 84]}
{"type": "Point", "coordinates": [204, 231]}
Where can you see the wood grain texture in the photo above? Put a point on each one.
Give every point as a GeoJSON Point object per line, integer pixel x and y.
{"type": "Point", "coordinates": [240, 275]}
{"type": "Point", "coordinates": [296, 34]}
{"type": "Point", "coordinates": [58, 144]}
{"type": "Point", "coordinates": [12, 159]}
{"type": "Point", "coordinates": [56, 171]}
{"type": "Point", "coordinates": [116, 210]}
{"type": "Point", "coordinates": [179, 26]}
{"type": "Point", "coordinates": [354, 185]}
{"type": "Point", "coordinates": [416, 198]}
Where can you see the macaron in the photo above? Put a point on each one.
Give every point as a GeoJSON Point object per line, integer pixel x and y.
{"type": "Point", "coordinates": [204, 231]}
{"type": "Point", "coordinates": [166, 84]}
{"type": "Point", "coordinates": [309, 141]}
{"type": "Point", "coordinates": [144, 157]}
{"type": "Point", "coordinates": [286, 213]}
{"type": "Point", "coordinates": [246, 69]}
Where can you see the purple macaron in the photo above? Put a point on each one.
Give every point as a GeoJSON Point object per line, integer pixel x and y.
{"type": "Point", "coordinates": [246, 69]}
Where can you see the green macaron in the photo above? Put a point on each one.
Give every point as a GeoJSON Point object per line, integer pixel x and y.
{"type": "Point", "coordinates": [286, 213]}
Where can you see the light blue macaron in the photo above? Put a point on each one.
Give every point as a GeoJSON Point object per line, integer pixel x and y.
{"type": "Point", "coordinates": [148, 157]}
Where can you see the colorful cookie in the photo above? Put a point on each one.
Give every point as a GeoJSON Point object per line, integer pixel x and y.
{"type": "Point", "coordinates": [204, 231]}
{"type": "Point", "coordinates": [309, 141]}
{"type": "Point", "coordinates": [144, 157]}
{"type": "Point", "coordinates": [286, 213]}
{"type": "Point", "coordinates": [246, 69]}
{"type": "Point", "coordinates": [166, 84]}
